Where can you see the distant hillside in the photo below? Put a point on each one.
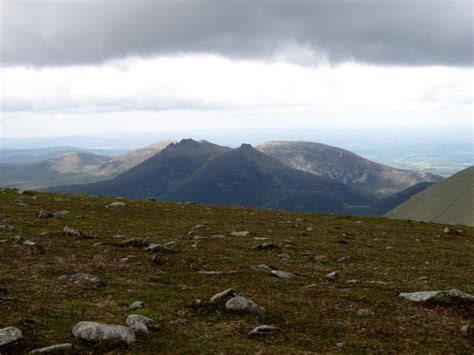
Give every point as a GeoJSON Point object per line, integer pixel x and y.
{"type": "Point", "coordinates": [126, 161]}
{"type": "Point", "coordinates": [207, 173]}
{"type": "Point", "coordinates": [60, 169]}
{"type": "Point", "coordinates": [346, 167]}
{"type": "Point", "coordinates": [450, 201]}
{"type": "Point", "coordinates": [383, 205]}
{"type": "Point", "coordinates": [155, 175]}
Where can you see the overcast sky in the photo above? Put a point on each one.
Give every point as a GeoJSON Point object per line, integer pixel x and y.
{"type": "Point", "coordinates": [99, 67]}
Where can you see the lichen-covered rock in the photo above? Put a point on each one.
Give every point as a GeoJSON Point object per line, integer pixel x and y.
{"type": "Point", "coordinates": [139, 323]}
{"type": "Point", "coordinates": [9, 335]}
{"type": "Point", "coordinates": [452, 295]}
{"type": "Point", "coordinates": [58, 348]}
{"type": "Point", "coordinates": [241, 304]}
{"type": "Point", "coordinates": [96, 332]}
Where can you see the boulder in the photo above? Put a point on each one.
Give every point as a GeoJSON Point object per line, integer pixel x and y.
{"type": "Point", "coordinates": [452, 295]}
{"type": "Point", "coordinates": [139, 323]}
{"type": "Point", "coordinates": [285, 275]}
{"type": "Point", "coordinates": [59, 348]}
{"type": "Point", "coordinates": [96, 332]}
{"type": "Point", "coordinates": [241, 304]}
{"type": "Point", "coordinates": [9, 335]}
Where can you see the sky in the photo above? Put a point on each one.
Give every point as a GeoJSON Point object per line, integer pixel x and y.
{"type": "Point", "coordinates": [96, 67]}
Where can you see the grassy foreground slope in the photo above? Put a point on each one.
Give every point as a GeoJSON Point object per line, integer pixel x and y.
{"type": "Point", "coordinates": [376, 259]}
{"type": "Point", "coordinates": [450, 201]}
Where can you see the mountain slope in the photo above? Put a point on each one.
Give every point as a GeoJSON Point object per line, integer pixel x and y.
{"type": "Point", "coordinates": [247, 177]}
{"type": "Point", "coordinates": [207, 173]}
{"type": "Point", "coordinates": [346, 167]}
{"type": "Point", "coordinates": [155, 175]}
{"type": "Point", "coordinates": [450, 201]}
{"type": "Point", "coordinates": [60, 169]}
{"type": "Point", "coordinates": [127, 161]}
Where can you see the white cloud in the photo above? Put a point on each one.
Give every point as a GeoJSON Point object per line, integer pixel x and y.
{"type": "Point", "coordinates": [210, 92]}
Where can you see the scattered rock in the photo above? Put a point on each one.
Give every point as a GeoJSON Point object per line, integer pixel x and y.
{"type": "Point", "coordinates": [343, 258]}
{"type": "Point", "coordinates": [319, 258]}
{"type": "Point", "coordinates": [29, 243]}
{"type": "Point", "coordinates": [116, 204]}
{"type": "Point", "coordinates": [156, 259]}
{"type": "Point", "coordinates": [204, 272]}
{"type": "Point", "coordinates": [60, 213]}
{"type": "Point", "coordinates": [95, 332]}
{"type": "Point", "coordinates": [58, 348]}
{"type": "Point", "coordinates": [9, 335]}
{"type": "Point", "coordinates": [285, 275]}
{"type": "Point", "coordinates": [61, 199]}
{"type": "Point", "coordinates": [74, 233]}
{"type": "Point", "coordinates": [118, 236]}
{"type": "Point", "coordinates": [263, 329]}
{"type": "Point", "coordinates": [364, 313]}
{"type": "Point", "coordinates": [162, 248]}
{"type": "Point", "coordinates": [224, 296]}
{"type": "Point", "coordinates": [284, 256]}
{"type": "Point", "coordinates": [332, 276]}
{"type": "Point", "coordinates": [446, 230]}
{"type": "Point", "coordinates": [135, 242]}
{"type": "Point", "coordinates": [240, 233]}
{"type": "Point", "coordinates": [241, 304]}
{"type": "Point", "coordinates": [266, 246]}
{"type": "Point", "coordinates": [466, 329]}
{"type": "Point", "coordinates": [81, 278]}
{"type": "Point", "coordinates": [448, 296]}
{"type": "Point", "coordinates": [139, 323]}
{"type": "Point", "coordinates": [6, 228]}
{"type": "Point", "coordinates": [136, 305]}
{"type": "Point", "coordinates": [45, 214]}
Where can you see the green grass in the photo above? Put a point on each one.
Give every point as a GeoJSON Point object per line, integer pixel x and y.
{"type": "Point", "coordinates": [310, 319]}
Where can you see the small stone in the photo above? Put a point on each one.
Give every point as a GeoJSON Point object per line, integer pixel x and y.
{"type": "Point", "coordinates": [81, 278]}
{"type": "Point", "coordinates": [343, 258]}
{"type": "Point", "coordinates": [139, 323]}
{"type": "Point", "coordinates": [319, 258]}
{"type": "Point", "coordinates": [116, 204]}
{"type": "Point", "coordinates": [29, 243]}
{"type": "Point", "coordinates": [266, 246]}
{"type": "Point", "coordinates": [45, 214]}
{"type": "Point", "coordinates": [364, 313]}
{"type": "Point", "coordinates": [59, 348]}
{"type": "Point", "coordinates": [156, 260]}
{"type": "Point", "coordinates": [9, 335]}
{"type": "Point", "coordinates": [446, 230]}
{"type": "Point", "coordinates": [118, 236]}
{"type": "Point", "coordinates": [135, 242]}
{"type": "Point", "coordinates": [96, 332]}
{"type": "Point", "coordinates": [466, 329]}
{"type": "Point", "coordinates": [284, 256]}
{"type": "Point", "coordinates": [264, 329]}
{"type": "Point", "coordinates": [340, 344]}
{"type": "Point", "coordinates": [240, 233]}
{"type": "Point", "coordinates": [73, 232]}
{"type": "Point", "coordinates": [158, 248]}
{"type": "Point", "coordinates": [60, 213]}
{"type": "Point", "coordinates": [224, 296]}
{"type": "Point", "coordinates": [241, 304]}
{"type": "Point", "coordinates": [6, 228]}
{"type": "Point", "coordinates": [204, 272]}
{"type": "Point", "coordinates": [331, 276]}
{"type": "Point", "coordinates": [136, 305]}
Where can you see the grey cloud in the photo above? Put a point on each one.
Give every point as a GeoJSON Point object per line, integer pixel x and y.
{"type": "Point", "coordinates": [393, 32]}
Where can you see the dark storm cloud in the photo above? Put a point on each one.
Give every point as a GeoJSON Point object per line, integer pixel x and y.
{"type": "Point", "coordinates": [399, 32]}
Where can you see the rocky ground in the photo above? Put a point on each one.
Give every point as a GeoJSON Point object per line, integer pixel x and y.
{"type": "Point", "coordinates": [91, 274]}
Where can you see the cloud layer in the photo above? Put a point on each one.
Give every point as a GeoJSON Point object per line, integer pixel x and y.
{"type": "Point", "coordinates": [411, 33]}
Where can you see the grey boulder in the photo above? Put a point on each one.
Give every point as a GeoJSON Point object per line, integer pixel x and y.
{"type": "Point", "coordinates": [241, 304]}
{"type": "Point", "coordinates": [139, 323]}
{"type": "Point", "coordinates": [452, 295]}
{"type": "Point", "coordinates": [96, 332]}
{"type": "Point", "coordinates": [9, 335]}
{"type": "Point", "coordinates": [224, 296]}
